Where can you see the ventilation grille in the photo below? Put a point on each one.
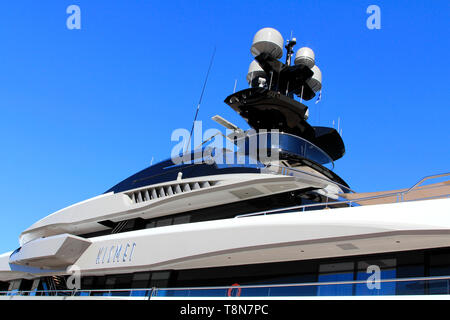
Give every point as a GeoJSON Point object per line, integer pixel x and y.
{"type": "Point", "coordinates": [169, 190]}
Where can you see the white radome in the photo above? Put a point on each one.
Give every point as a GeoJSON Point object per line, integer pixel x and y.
{"type": "Point", "coordinates": [316, 80]}
{"type": "Point", "coordinates": [254, 71]}
{"type": "Point", "coordinates": [305, 56]}
{"type": "Point", "coordinates": [268, 40]}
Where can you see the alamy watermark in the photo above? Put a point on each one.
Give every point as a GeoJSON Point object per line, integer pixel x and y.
{"type": "Point", "coordinates": [374, 20]}
{"type": "Point", "coordinates": [74, 20]}
{"type": "Point", "coordinates": [373, 281]}
{"type": "Point", "coordinates": [73, 282]}
{"type": "Point", "coordinates": [233, 147]}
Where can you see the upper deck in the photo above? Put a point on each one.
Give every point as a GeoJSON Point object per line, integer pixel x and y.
{"type": "Point", "coordinates": [252, 152]}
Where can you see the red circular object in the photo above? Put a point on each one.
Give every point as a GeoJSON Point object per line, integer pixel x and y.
{"type": "Point", "coordinates": [230, 290]}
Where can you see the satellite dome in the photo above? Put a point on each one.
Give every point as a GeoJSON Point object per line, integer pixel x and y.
{"type": "Point", "coordinates": [254, 71]}
{"type": "Point", "coordinates": [315, 82]}
{"type": "Point", "coordinates": [305, 56]}
{"type": "Point", "coordinates": [268, 40]}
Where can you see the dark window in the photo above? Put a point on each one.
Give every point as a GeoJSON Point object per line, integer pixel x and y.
{"type": "Point", "coordinates": [160, 279]}
{"type": "Point", "coordinates": [165, 172]}
{"type": "Point", "coordinates": [123, 281]}
{"type": "Point", "coordinates": [151, 224]}
{"type": "Point", "coordinates": [164, 222]}
{"type": "Point", "coordinates": [334, 272]}
{"type": "Point", "coordinates": [439, 266]}
{"type": "Point", "coordinates": [110, 282]}
{"type": "Point", "coordinates": [87, 283]}
{"type": "Point", "coordinates": [25, 285]}
{"type": "Point", "coordinates": [4, 286]}
{"type": "Point", "coordinates": [141, 280]}
{"type": "Point", "coordinates": [410, 265]}
{"type": "Point", "coordinates": [182, 219]}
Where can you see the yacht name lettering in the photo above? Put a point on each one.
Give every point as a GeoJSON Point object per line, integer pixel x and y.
{"type": "Point", "coordinates": [115, 253]}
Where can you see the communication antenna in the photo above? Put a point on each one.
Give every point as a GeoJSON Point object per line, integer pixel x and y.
{"type": "Point", "coordinates": [201, 97]}
{"type": "Point", "coordinates": [289, 51]}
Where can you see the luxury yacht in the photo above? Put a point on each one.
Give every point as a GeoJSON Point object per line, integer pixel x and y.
{"type": "Point", "coordinates": [264, 215]}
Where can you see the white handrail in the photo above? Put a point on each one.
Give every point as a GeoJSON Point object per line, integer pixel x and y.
{"type": "Point", "coordinates": [151, 291]}
{"type": "Point", "coordinates": [400, 198]}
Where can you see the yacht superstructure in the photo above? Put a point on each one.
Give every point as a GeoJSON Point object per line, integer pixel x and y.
{"type": "Point", "coordinates": [267, 210]}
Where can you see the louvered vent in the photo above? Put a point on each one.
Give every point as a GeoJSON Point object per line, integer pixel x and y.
{"type": "Point", "coordinates": [169, 190]}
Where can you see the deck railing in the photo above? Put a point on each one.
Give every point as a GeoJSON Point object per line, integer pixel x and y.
{"type": "Point", "coordinates": [399, 196]}
{"type": "Point", "coordinates": [383, 287]}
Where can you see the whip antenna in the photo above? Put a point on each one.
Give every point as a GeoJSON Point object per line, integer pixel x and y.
{"type": "Point", "coordinates": [201, 97]}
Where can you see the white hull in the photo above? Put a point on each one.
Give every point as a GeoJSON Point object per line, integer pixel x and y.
{"type": "Point", "coordinates": [259, 239]}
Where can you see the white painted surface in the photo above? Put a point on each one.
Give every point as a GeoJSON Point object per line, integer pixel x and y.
{"type": "Point", "coordinates": [83, 217]}
{"type": "Point", "coordinates": [277, 237]}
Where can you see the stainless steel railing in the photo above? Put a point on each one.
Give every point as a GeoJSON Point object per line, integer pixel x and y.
{"type": "Point", "coordinates": [415, 280]}
{"type": "Point", "coordinates": [437, 282]}
{"type": "Point", "coordinates": [435, 176]}
{"type": "Point", "coordinates": [399, 196]}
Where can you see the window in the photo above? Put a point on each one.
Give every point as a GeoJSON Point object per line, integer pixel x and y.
{"type": "Point", "coordinates": [336, 272]}
{"type": "Point", "coordinates": [160, 279]}
{"type": "Point", "coordinates": [151, 224]}
{"type": "Point", "coordinates": [110, 282]}
{"type": "Point", "coordinates": [123, 281]}
{"type": "Point", "coordinates": [164, 222]}
{"type": "Point", "coordinates": [182, 219]}
{"type": "Point", "coordinates": [410, 265]}
{"type": "Point", "coordinates": [87, 283]}
{"type": "Point", "coordinates": [25, 285]}
{"type": "Point", "coordinates": [4, 286]}
{"type": "Point", "coordinates": [141, 280]}
{"type": "Point", "coordinates": [367, 273]}
{"type": "Point", "coordinates": [439, 266]}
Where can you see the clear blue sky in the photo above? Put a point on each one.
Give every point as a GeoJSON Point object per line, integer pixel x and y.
{"type": "Point", "coordinates": [81, 110]}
